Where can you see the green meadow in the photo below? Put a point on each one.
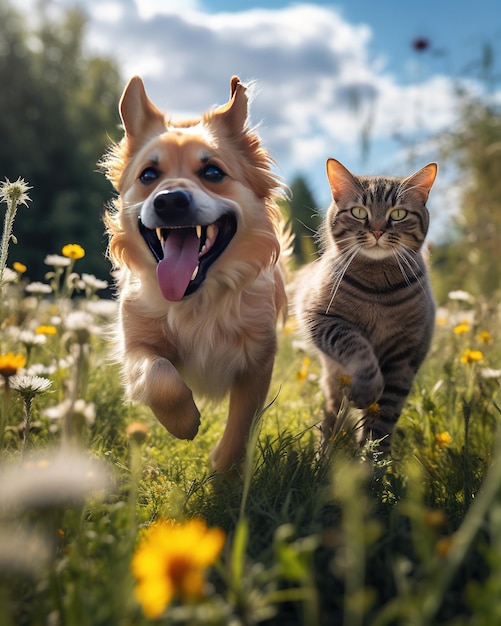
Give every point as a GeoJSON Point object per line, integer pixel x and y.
{"type": "Point", "coordinates": [106, 519]}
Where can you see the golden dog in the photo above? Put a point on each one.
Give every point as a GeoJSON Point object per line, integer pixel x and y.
{"type": "Point", "coordinates": [195, 236]}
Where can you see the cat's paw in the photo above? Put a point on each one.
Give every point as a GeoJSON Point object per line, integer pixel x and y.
{"type": "Point", "coordinates": [364, 391]}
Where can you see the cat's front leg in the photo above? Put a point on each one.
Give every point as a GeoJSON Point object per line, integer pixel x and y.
{"type": "Point", "coordinates": [355, 357]}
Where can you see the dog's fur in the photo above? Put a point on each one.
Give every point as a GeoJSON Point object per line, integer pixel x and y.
{"type": "Point", "coordinates": [222, 336]}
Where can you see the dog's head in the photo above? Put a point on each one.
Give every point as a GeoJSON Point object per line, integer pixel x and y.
{"type": "Point", "coordinates": [195, 197]}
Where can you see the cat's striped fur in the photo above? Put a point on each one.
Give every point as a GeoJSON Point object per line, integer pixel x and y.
{"type": "Point", "coordinates": [366, 303]}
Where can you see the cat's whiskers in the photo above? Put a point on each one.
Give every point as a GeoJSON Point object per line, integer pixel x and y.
{"type": "Point", "coordinates": [406, 257]}
{"type": "Point", "coordinates": [342, 264]}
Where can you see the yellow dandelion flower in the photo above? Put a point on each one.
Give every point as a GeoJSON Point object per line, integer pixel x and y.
{"type": "Point", "coordinates": [462, 328]}
{"type": "Point", "coordinates": [73, 251]}
{"type": "Point", "coordinates": [171, 561]}
{"type": "Point", "coordinates": [19, 267]}
{"type": "Point", "coordinates": [443, 439]}
{"type": "Point", "coordinates": [484, 336]}
{"type": "Point", "coordinates": [137, 432]}
{"type": "Point", "coordinates": [10, 363]}
{"type": "Point", "coordinates": [303, 372]}
{"type": "Point", "coordinates": [471, 356]}
{"type": "Point", "coordinates": [441, 320]}
{"type": "Point", "coordinates": [46, 329]}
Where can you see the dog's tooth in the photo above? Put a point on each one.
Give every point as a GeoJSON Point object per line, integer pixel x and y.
{"type": "Point", "coordinates": [199, 231]}
{"type": "Point", "coordinates": [211, 230]}
{"type": "Point", "coordinates": [159, 233]}
{"type": "Point", "coordinates": [195, 272]}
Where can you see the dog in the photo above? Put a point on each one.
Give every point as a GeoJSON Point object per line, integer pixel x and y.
{"type": "Point", "coordinates": [196, 239]}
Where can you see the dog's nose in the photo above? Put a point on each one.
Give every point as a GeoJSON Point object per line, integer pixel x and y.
{"type": "Point", "coordinates": [168, 203]}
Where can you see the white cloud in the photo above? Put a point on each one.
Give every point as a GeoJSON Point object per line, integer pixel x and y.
{"type": "Point", "coordinates": [318, 86]}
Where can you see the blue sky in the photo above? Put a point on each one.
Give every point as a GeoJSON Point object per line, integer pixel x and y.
{"type": "Point", "coordinates": [327, 74]}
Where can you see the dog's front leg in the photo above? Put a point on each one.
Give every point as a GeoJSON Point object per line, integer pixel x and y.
{"type": "Point", "coordinates": [248, 395]}
{"type": "Point", "coordinates": [154, 381]}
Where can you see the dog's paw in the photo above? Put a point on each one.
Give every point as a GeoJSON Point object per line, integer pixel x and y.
{"type": "Point", "coordinates": [171, 400]}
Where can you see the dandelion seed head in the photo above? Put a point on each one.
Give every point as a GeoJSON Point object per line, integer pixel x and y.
{"type": "Point", "coordinates": [15, 193]}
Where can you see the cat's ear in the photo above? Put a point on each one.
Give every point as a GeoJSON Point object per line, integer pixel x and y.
{"type": "Point", "coordinates": [341, 179]}
{"type": "Point", "coordinates": [422, 181]}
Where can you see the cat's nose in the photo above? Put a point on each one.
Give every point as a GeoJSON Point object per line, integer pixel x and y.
{"type": "Point", "coordinates": [377, 234]}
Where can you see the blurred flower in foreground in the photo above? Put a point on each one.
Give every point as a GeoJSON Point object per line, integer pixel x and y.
{"type": "Point", "coordinates": [303, 372]}
{"type": "Point", "coordinates": [19, 267]}
{"type": "Point", "coordinates": [462, 296]}
{"type": "Point", "coordinates": [462, 328]}
{"type": "Point", "coordinates": [484, 336]}
{"type": "Point", "coordinates": [488, 372]}
{"type": "Point", "coordinates": [10, 363]}
{"type": "Point", "coordinates": [443, 439]}
{"type": "Point", "coordinates": [52, 478]}
{"type": "Point", "coordinates": [471, 356]}
{"type": "Point", "coordinates": [171, 560]}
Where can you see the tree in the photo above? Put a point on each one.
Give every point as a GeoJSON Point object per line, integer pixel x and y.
{"type": "Point", "coordinates": [305, 220]}
{"type": "Point", "coordinates": [56, 118]}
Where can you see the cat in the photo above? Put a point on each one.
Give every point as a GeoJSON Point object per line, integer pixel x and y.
{"type": "Point", "coordinates": [366, 303]}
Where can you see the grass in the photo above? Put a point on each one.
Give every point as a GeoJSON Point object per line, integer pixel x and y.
{"type": "Point", "coordinates": [311, 537]}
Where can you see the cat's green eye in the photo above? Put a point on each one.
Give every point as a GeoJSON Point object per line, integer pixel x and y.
{"type": "Point", "coordinates": [359, 212]}
{"type": "Point", "coordinates": [398, 214]}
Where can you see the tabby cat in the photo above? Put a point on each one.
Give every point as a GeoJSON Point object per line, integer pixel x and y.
{"type": "Point", "coordinates": [366, 303]}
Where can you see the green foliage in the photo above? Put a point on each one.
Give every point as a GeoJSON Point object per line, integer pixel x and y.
{"type": "Point", "coordinates": [57, 114]}
{"type": "Point", "coordinates": [305, 219]}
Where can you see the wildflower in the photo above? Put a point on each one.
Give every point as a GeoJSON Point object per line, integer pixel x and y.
{"type": "Point", "coordinates": [171, 561]}
{"type": "Point", "coordinates": [73, 251]}
{"type": "Point", "coordinates": [81, 411]}
{"type": "Point", "coordinates": [460, 295]}
{"type": "Point", "coordinates": [10, 363]}
{"type": "Point", "coordinates": [488, 372]}
{"type": "Point", "coordinates": [50, 479]}
{"type": "Point", "coordinates": [462, 328]}
{"type": "Point", "coordinates": [443, 439]}
{"type": "Point", "coordinates": [93, 283]}
{"type": "Point", "coordinates": [484, 336]}
{"type": "Point", "coordinates": [13, 194]}
{"type": "Point", "coordinates": [29, 385]}
{"type": "Point", "coordinates": [16, 192]}
{"type": "Point", "coordinates": [30, 339]}
{"type": "Point", "coordinates": [9, 276]}
{"type": "Point", "coordinates": [57, 261]}
{"type": "Point", "coordinates": [38, 288]}
{"type": "Point", "coordinates": [137, 432]}
{"type": "Point", "coordinates": [46, 329]}
{"type": "Point", "coordinates": [471, 356]}
{"type": "Point", "coordinates": [19, 267]}
{"type": "Point", "coordinates": [303, 372]}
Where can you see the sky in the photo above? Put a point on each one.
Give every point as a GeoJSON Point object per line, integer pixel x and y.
{"type": "Point", "coordinates": [330, 79]}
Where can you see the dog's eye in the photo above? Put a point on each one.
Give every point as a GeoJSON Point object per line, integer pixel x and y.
{"type": "Point", "coordinates": [148, 175]}
{"type": "Point", "coordinates": [212, 173]}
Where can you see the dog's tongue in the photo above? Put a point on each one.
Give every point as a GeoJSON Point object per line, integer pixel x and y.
{"type": "Point", "coordinates": [175, 270]}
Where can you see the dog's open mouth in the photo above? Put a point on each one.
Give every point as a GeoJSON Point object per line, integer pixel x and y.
{"type": "Point", "coordinates": [185, 254]}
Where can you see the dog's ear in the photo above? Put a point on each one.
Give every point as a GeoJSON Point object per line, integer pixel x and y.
{"type": "Point", "coordinates": [140, 117]}
{"type": "Point", "coordinates": [234, 113]}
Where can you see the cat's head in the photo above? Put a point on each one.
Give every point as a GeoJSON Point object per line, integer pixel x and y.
{"type": "Point", "coordinates": [378, 216]}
